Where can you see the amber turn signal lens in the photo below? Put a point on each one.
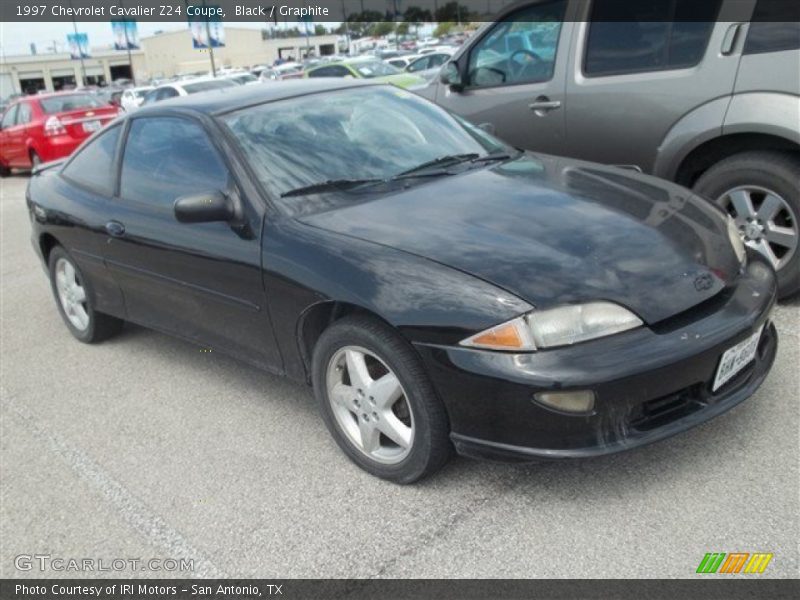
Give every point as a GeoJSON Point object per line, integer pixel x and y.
{"type": "Point", "coordinates": [504, 336]}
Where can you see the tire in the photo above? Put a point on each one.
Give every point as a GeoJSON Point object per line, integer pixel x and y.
{"type": "Point", "coordinates": [4, 171]}
{"type": "Point", "coordinates": [386, 354]}
{"type": "Point", "coordinates": [762, 171]}
{"type": "Point", "coordinates": [36, 160]}
{"type": "Point", "coordinates": [98, 326]}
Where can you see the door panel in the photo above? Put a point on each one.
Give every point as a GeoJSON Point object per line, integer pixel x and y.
{"type": "Point", "coordinates": [630, 82]}
{"type": "Point", "coordinates": [515, 78]}
{"type": "Point", "coordinates": [201, 281]}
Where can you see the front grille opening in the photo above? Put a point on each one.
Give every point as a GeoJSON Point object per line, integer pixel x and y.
{"type": "Point", "coordinates": [661, 411]}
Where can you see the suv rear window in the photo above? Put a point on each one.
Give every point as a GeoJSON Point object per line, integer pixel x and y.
{"type": "Point", "coordinates": [774, 28]}
{"type": "Point", "coordinates": [654, 35]}
{"type": "Point", "coordinates": [68, 102]}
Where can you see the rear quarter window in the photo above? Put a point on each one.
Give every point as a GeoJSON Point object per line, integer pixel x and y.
{"type": "Point", "coordinates": [92, 166]}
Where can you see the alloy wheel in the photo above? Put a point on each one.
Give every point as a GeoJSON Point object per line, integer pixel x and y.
{"type": "Point", "coordinates": [370, 405]}
{"type": "Point", "coordinates": [71, 294]}
{"type": "Point", "coordinates": [765, 222]}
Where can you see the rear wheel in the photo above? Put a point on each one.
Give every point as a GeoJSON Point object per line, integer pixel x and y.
{"type": "Point", "coordinates": [760, 191]}
{"type": "Point", "coordinates": [4, 171]}
{"type": "Point", "coordinates": [74, 300]}
{"type": "Point", "coordinates": [377, 401]}
{"type": "Point", "coordinates": [36, 160]}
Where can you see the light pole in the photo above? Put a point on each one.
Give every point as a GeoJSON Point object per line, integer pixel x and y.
{"type": "Point", "coordinates": [77, 43]}
{"type": "Point", "coordinates": [128, 45]}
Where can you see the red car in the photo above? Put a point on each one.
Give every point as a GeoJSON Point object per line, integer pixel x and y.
{"type": "Point", "coordinates": [47, 127]}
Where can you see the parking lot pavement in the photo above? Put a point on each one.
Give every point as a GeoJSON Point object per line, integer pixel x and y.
{"type": "Point", "coordinates": [146, 447]}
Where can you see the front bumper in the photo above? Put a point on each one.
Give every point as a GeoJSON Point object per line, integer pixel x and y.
{"type": "Point", "coordinates": [649, 383]}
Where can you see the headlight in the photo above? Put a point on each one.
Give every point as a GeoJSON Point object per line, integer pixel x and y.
{"type": "Point", "coordinates": [560, 326]}
{"type": "Point", "coordinates": [736, 240]}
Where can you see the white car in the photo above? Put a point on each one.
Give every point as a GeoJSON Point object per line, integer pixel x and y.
{"type": "Point", "coordinates": [132, 98]}
{"type": "Point", "coordinates": [401, 62]}
{"type": "Point", "coordinates": [428, 65]}
{"type": "Point", "coordinates": [242, 78]}
{"type": "Point", "coordinates": [287, 70]}
{"type": "Point", "coordinates": [186, 87]}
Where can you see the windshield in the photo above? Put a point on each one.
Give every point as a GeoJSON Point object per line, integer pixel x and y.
{"type": "Point", "coordinates": [374, 69]}
{"type": "Point", "coordinates": [247, 78]}
{"type": "Point", "coordinates": [364, 133]}
{"type": "Point", "coordinates": [204, 86]}
{"type": "Point", "coordinates": [57, 104]}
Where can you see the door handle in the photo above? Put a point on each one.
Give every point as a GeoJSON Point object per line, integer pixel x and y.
{"type": "Point", "coordinates": [542, 105]}
{"type": "Point", "coordinates": [115, 229]}
{"type": "Point", "coordinates": [731, 37]}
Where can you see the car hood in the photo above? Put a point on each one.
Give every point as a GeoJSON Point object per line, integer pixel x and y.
{"type": "Point", "coordinates": [555, 231]}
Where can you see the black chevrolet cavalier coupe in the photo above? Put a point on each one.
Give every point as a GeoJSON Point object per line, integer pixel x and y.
{"type": "Point", "coordinates": [436, 287]}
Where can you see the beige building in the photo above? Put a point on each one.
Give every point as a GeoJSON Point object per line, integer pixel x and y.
{"type": "Point", "coordinates": [33, 72]}
{"type": "Point", "coordinates": [171, 53]}
{"type": "Point", "coordinates": [162, 55]}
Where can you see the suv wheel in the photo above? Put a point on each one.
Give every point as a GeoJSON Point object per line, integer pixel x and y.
{"type": "Point", "coordinates": [377, 401]}
{"type": "Point", "coordinates": [760, 191]}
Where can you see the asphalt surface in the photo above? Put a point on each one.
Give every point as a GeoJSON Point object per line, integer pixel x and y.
{"type": "Point", "coordinates": [147, 447]}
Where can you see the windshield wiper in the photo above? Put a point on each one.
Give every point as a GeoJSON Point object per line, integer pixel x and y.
{"type": "Point", "coordinates": [330, 184]}
{"type": "Point", "coordinates": [450, 159]}
{"type": "Point", "coordinates": [492, 157]}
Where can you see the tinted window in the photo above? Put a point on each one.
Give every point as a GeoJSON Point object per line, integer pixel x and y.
{"type": "Point", "coordinates": [774, 28]}
{"type": "Point", "coordinates": [167, 157]}
{"type": "Point", "coordinates": [10, 117]}
{"type": "Point", "coordinates": [93, 165]}
{"type": "Point", "coordinates": [24, 115]}
{"type": "Point", "coordinates": [438, 60]}
{"type": "Point", "coordinates": [67, 102]}
{"type": "Point", "coordinates": [651, 35]}
{"type": "Point", "coordinates": [521, 49]}
{"type": "Point", "coordinates": [332, 71]}
{"type": "Point", "coordinates": [204, 86]}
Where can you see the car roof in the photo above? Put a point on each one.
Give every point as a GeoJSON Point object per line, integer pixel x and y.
{"type": "Point", "coordinates": [233, 98]}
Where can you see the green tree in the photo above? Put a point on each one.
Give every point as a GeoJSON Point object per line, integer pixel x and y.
{"type": "Point", "coordinates": [443, 28]}
{"type": "Point", "coordinates": [320, 29]}
{"type": "Point", "coordinates": [382, 28]}
{"type": "Point", "coordinates": [402, 28]}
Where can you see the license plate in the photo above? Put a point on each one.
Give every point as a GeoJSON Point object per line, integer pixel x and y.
{"type": "Point", "coordinates": [91, 126]}
{"type": "Point", "coordinates": [736, 358]}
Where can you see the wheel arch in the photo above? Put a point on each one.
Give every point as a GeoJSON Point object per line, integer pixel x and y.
{"type": "Point", "coordinates": [315, 319]}
{"type": "Point", "coordinates": [712, 151]}
{"type": "Point", "coordinates": [47, 241]}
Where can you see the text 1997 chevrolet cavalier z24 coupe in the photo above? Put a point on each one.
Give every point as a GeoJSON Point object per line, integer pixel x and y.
{"type": "Point", "coordinates": [438, 288]}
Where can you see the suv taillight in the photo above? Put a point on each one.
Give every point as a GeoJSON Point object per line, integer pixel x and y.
{"type": "Point", "coordinates": [54, 126]}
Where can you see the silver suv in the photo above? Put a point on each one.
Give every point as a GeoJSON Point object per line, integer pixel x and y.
{"type": "Point", "coordinates": [706, 94]}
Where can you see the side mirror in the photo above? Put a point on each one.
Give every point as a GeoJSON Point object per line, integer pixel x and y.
{"type": "Point", "coordinates": [450, 75]}
{"type": "Point", "coordinates": [205, 207]}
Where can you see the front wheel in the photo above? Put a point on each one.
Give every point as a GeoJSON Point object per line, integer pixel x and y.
{"type": "Point", "coordinates": [74, 300]}
{"type": "Point", "coordinates": [760, 190]}
{"type": "Point", "coordinates": [378, 402]}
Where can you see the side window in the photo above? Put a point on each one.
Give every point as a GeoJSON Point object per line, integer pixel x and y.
{"type": "Point", "coordinates": [521, 49]}
{"type": "Point", "coordinates": [437, 60]}
{"type": "Point", "coordinates": [419, 65]}
{"type": "Point", "coordinates": [647, 36]}
{"type": "Point", "coordinates": [166, 92]}
{"type": "Point", "coordinates": [169, 157]}
{"type": "Point", "coordinates": [774, 28]}
{"type": "Point", "coordinates": [10, 116]}
{"type": "Point", "coordinates": [93, 165]}
{"type": "Point", "coordinates": [24, 115]}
